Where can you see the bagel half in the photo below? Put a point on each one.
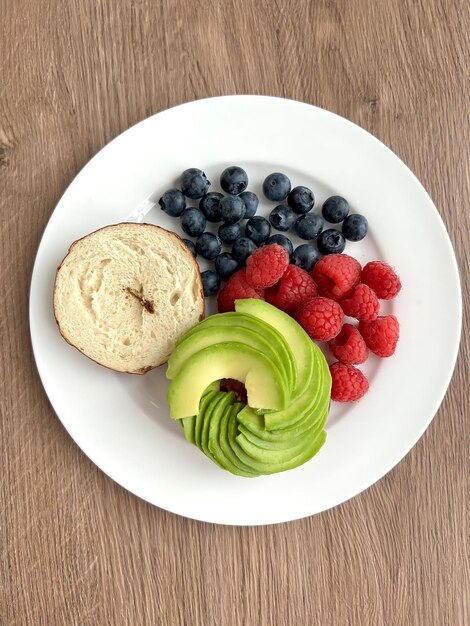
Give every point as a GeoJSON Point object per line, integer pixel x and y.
{"type": "Point", "coordinates": [125, 293]}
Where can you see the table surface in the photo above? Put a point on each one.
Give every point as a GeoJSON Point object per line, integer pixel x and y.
{"type": "Point", "coordinates": [78, 549]}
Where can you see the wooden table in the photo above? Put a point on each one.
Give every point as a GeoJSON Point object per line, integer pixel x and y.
{"type": "Point", "coordinates": [76, 548]}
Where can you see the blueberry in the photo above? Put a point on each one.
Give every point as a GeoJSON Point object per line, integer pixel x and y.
{"type": "Point", "coordinates": [194, 183]}
{"type": "Point", "coordinates": [258, 229]}
{"type": "Point", "coordinates": [228, 233]}
{"type": "Point", "coordinates": [251, 203]}
{"type": "Point", "coordinates": [232, 209]}
{"type": "Point", "coordinates": [283, 241]}
{"type": "Point", "coordinates": [210, 206]}
{"type": "Point", "coordinates": [191, 246]}
{"type": "Point", "coordinates": [193, 222]}
{"type": "Point", "coordinates": [335, 209]}
{"type": "Point", "coordinates": [173, 202]}
{"type": "Point", "coordinates": [301, 199]}
{"type": "Point", "coordinates": [225, 265]}
{"type": "Point", "coordinates": [331, 241]}
{"type": "Point", "coordinates": [305, 256]}
{"type": "Point", "coordinates": [276, 187]}
{"type": "Point", "coordinates": [234, 180]}
{"type": "Point", "coordinates": [308, 226]}
{"type": "Point", "coordinates": [282, 217]}
{"type": "Point", "coordinates": [242, 248]}
{"type": "Point", "coordinates": [355, 227]}
{"type": "Point", "coordinates": [208, 246]}
{"type": "Point", "coordinates": [210, 282]}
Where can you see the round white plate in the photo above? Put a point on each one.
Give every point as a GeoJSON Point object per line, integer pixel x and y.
{"type": "Point", "coordinates": [121, 421]}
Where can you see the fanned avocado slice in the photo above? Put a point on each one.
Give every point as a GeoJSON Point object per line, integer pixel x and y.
{"type": "Point", "coordinates": [281, 452]}
{"type": "Point", "coordinates": [268, 467]}
{"type": "Point", "coordinates": [284, 424]}
{"type": "Point", "coordinates": [221, 403]}
{"type": "Point", "coordinates": [315, 422]}
{"type": "Point", "coordinates": [188, 427]}
{"type": "Point", "coordinates": [266, 386]}
{"type": "Point", "coordinates": [298, 340]}
{"type": "Point", "coordinates": [188, 423]}
{"type": "Point", "coordinates": [250, 322]}
{"type": "Point", "coordinates": [228, 458]}
{"type": "Point", "coordinates": [206, 400]}
{"type": "Point", "coordinates": [208, 335]}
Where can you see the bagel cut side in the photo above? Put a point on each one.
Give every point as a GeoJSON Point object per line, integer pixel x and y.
{"type": "Point", "coordinates": [125, 293]}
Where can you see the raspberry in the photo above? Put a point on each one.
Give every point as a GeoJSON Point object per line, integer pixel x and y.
{"type": "Point", "coordinates": [321, 318]}
{"type": "Point", "coordinates": [349, 346]}
{"type": "Point", "coordinates": [382, 279]}
{"type": "Point", "coordinates": [381, 334]}
{"type": "Point", "coordinates": [265, 266]}
{"type": "Point", "coordinates": [347, 383]}
{"type": "Point", "coordinates": [295, 287]}
{"type": "Point", "coordinates": [336, 275]}
{"type": "Point", "coordinates": [363, 304]}
{"type": "Point", "coordinates": [236, 288]}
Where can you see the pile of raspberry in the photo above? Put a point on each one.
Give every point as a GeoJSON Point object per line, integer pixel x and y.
{"type": "Point", "coordinates": [319, 300]}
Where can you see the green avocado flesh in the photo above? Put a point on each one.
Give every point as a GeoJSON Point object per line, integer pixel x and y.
{"type": "Point", "coordinates": [288, 386]}
{"type": "Point", "coordinates": [297, 339]}
{"type": "Point", "coordinates": [225, 321]}
{"type": "Point", "coordinates": [211, 335]}
{"type": "Point", "coordinates": [265, 385]}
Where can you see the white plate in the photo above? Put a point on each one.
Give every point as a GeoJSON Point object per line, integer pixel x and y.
{"type": "Point", "coordinates": [121, 421]}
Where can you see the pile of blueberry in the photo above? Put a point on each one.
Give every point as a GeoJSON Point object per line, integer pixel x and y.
{"type": "Point", "coordinates": [240, 204]}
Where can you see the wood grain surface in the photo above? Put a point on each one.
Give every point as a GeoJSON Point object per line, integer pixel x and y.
{"type": "Point", "coordinates": [76, 549]}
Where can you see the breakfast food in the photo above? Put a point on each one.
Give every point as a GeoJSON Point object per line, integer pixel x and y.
{"type": "Point", "coordinates": [382, 279]}
{"type": "Point", "coordinates": [236, 288]}
{"type": "Point", "coordinates": [236, 208]}
{"type": "Point", "coordinates": [287, 380]}
{"type": "Point", "coordinates": [363, 303]}
{"type": "Point", "coordinates": [125, 293]}
{"type": "Point", "coordinates": [294, 287]}
{"type": "Point", "coordinates": [250, 385]}
{"type": "Point", "coordinates": [320, 317]}
{"type": "Point", "coordinates": [349, 346]}
{"type": "Point", "coordinates": [348, 383]}
{"type": "Point", "coordinates": [381, 334]}
{"type": "Point", "coordinates": [266, 266]}
{"type": "Point", "coordinates": [320, 301]}
{"type": "Point", "coordinates": [337, 275]}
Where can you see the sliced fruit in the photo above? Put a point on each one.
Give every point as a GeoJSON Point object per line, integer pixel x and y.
{"type": "Point", "coordinates": [297, 339]}
{"type": "Point", "coordinates": [266, 387]}
{"type": "Point", "coordinates": [211, 335]}
{"type": "Point", "coordinates": [257, 325]}
{"type": "Point", "coordinates": [224, 453]}
{"type": "Point", "coordinates": [266, 465]}
{"type": "Point", "coordinates": [220, 404]}
{"type": "Point", "coordinates": [199, 417]}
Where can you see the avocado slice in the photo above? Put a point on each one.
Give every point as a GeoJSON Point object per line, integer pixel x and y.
{"type": "Point", "coordinates": [267, 464]}
{"type": "Point", "coordinates": [281, 440]}
{"type": "Point", "coordinates": [266, 386]}
{"type": "Point", "coordinates": [188, 428]}
{"type": "Point", "coordinates": [199, 417]}
{"type": "Point", "coordinates": [222, 402]}
{"type": "Point", "coordinates": [297, 413]}
{"type": "Point", "coordinates": [297, 339]}
{"type": "Point", "coordinates": [188, 423]}
{"type": "Point", "coordinates": [311, 427]}
{"type": "Point", "coordinates": [319, 385]}
{"type": "Point", "coordinates": [224, 453]}
{"type": "Point", "coordinates": [257, 325]}
{"type": "Point", "coordinates": [208, 335]}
